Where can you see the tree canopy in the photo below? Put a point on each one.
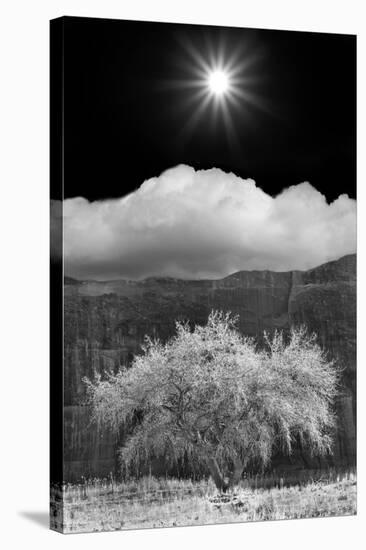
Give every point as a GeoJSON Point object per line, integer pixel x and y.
{"type": "Point", "coordinates": [210, 394]}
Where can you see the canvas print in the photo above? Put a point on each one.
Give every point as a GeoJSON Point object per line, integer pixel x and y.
{"type": "Point", "coordinates": [203, 275]}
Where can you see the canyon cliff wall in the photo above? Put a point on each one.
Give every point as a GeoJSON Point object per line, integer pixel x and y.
{"type": "Point", "coordinates": [106, 322]}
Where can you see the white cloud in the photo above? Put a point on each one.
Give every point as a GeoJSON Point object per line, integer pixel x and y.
{"type": "Point", "coordinates": [204, 224]}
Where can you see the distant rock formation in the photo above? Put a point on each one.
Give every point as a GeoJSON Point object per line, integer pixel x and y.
{"type": "Point", "coordinates": [106, 322]}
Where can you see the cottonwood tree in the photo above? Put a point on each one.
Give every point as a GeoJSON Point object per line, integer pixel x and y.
{"type": "Point", "coordinates": [212, 395]}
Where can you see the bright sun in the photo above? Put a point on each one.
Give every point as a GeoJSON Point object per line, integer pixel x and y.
{"type": "Point", "coordinates": [218, 82]}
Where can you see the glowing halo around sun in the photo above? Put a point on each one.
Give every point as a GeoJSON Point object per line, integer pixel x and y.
{"type": "Point", "coordinates": [216, 85]}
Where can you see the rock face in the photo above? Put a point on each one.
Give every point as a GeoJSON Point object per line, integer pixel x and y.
{"type": "Point", "coordinates": [105, 324]}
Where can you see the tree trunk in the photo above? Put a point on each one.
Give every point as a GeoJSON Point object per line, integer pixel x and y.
{"type": "Point", "coordinates": [216, 474]}
{"type": "Point", "coordinates": [219, 479]}
{"type": "Point", "coordinates": [236, 473]}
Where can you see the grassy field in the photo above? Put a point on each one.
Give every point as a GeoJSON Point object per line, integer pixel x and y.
{"type": "Point", "coordinates": [150, 502]}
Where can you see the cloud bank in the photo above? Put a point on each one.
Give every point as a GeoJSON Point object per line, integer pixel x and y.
{"type": "Point", "coordinates": [204, 224]}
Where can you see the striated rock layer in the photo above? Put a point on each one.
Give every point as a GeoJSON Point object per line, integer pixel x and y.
{"type": "Point", "coordinates": [105, 324]}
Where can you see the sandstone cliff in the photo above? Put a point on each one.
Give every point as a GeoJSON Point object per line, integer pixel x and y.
{"type": "Point", "coordinates": [105, 324]}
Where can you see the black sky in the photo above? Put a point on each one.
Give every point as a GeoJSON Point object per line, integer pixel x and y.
{"type": "Point", "coordinates": [123, 124]}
